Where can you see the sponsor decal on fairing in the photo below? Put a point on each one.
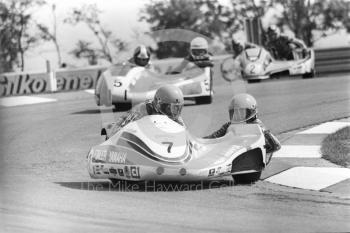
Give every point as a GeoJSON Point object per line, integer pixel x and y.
{"type": "Point", "coordinates": [108, 156]}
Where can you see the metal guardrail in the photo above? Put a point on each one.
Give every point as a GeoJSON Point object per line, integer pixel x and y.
{"type": "Point", "coordinates": [332, 60]}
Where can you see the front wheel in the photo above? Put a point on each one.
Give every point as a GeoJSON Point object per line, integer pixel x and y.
{"type": "Point", "coordinates": [309, 75]}
{"type": "Point", "coordinates": [254, 80]}
{"type": "Point", "coordinates": [247, 178]}
{"type": "Point", "coordinates": [204, 100]}
{"type": "Point", "coordinates": [122, 106]}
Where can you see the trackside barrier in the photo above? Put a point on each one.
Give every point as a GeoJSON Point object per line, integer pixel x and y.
{"type": "Point", "coordinates": [78, 79]}
{"type": "Point", "coordinates": [332, 60]}
{"type": "Point", "coordinates": [21, 83]}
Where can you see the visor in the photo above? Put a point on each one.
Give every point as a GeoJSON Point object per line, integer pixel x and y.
{"type": "Point", "coordinates": [142, 61]}
{"type": "Point", "coordinates": [239, 115]}
{"type": "Point", "coordinates": [172, 110]}
{"type": "Point", "coordinates": [199, 52]}
{"type": "Point", "coordinates": [143, 53]}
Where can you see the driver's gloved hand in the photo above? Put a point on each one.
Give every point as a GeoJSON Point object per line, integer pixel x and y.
{"type": "Point", "coordinates": [203, 64]}
{"type": "Point", "coordinates": [268, 148]}
{"type": "Point", "coordinates": [272, 143]}
{"type": "Point", "coordinates": [304, 53]}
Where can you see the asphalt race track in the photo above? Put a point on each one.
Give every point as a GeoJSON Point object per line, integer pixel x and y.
{"type": "Point", "coordinates": [45, 186]}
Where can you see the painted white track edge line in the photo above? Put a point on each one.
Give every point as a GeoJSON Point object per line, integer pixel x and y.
{"type": "Point", "coordinates": [326, 128]}
{"type": "Point", "coordinates": [312, 178]}
{"type": "Point", "coordinates": [298, 151]}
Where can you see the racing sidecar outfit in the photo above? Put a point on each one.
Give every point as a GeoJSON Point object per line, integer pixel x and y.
{"type": "Point", "coordinates": [137, 112]}
{"type": "Point", "coordinates": [272, 143]}
{"type": "Point", "coordinates": [280, 47]}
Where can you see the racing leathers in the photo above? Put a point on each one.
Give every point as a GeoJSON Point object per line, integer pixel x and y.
{"type": "Point", "coordinates": [281, 48]}
{"type": "Point", "coordinates": [137, 112]}
{"type": "Point", "coordinates": [271, 142]}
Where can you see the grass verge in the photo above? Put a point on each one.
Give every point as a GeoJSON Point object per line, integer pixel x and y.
{"type": "Point", "coordinates": [336, 147]}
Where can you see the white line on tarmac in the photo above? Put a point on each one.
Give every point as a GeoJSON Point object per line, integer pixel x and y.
{"type": "Point", "coordinates": [313, 178]}
{"type": "Point", "coordinates": [90, 91]}
{"type": "Point", "coordinates": [23, 100]}
{"type": "Point", "coordinates": [298, 151]}
{"type": "Point", "coordinates": [326, 128]}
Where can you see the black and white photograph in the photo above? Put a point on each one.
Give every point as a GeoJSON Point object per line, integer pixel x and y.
{"type": "Point", "coordinates": [174, 116]}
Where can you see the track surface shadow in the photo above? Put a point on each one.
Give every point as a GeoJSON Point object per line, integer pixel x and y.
{"type": "Point", "coordinates": [109, 110]}
{"type": "Point", "coordinates": [149, 186]}
{"type": "Point", "coordinates": [93, 111]}
{"type": "Point", "coordinates": [98, 111]}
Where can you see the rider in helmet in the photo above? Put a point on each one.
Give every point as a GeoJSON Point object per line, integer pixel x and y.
{"type": "Point", "coordinates": [198, 55]}
{"type": "Point", "coordinates": [141, 56]}
{"type": "Point", "coordinates": [168, 100]}
{"type": "Point", "coordinates": [243, 109]}
{"type": "Point", "coordinates": [238, 46]}
{"type": "Point", "coordinates": [280, 45]}
{"type": "Point", "coordinates": [198, 50]}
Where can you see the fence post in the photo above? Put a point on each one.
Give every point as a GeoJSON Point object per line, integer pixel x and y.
{"type": "Point", "coordinates": [52, 77]}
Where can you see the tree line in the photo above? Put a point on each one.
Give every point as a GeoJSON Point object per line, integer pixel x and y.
{"type": "Point", "coordinates": [308, 20]}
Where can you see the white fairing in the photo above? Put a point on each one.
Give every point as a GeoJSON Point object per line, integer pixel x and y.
{"type": "Point", "coordinates": [253, 53]}
{"type": "Point", "coordinates": [160, 133]}
{"type": "Point", "coordinates": [124, 83]}
{"type": "Point", "coordinates": [254, 69]}
{"type": "Point", "coordinates": [257, 63]}
{"type": "Point", "coordinates": [157, 148]}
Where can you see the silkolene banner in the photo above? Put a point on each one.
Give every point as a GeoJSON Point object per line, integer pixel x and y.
{"type": "Point", "coordinates": [31, 83]}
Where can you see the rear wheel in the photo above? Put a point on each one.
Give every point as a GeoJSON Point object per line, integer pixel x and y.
{"type": "Point", "coordinates": [309, 75]}
{"type": "Point", "coordinates": [247, 178]}
{"type": "Point", "coordinates": [204, 100]}
{"type": "Point", "coordinates": [122, 106]}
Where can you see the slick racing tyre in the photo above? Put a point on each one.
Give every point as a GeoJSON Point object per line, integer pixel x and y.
{"type": "Point", "coordinates": [204, 100]}
{"type": "Point", "coordinates": [247, 178]}
{"type": "Point", "coordinates": [254, 80]}
{"type": "Point", "coordinates": [309, 75]}
{"type": "Point", "coordinates": [122, 106]}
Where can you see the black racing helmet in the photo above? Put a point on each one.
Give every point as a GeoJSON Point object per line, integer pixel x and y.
{"type": "Point", "coordinates": [142, 55]}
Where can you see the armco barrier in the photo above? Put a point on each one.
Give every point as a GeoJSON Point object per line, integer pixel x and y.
{"type": "Point", "coordinates": [332, 60]}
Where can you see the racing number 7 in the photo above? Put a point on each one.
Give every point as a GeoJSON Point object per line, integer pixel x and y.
{"type": "Point", "coordinates": [170, 144]}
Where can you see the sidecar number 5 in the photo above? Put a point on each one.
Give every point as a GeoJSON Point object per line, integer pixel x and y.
{"type": "Point", "coordinates": [170, 144]}
{"type": "Point", "coordinates": [117, 84]}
